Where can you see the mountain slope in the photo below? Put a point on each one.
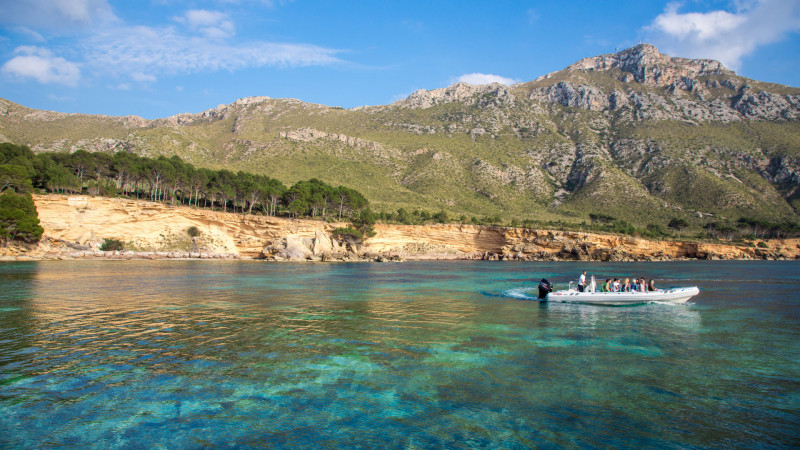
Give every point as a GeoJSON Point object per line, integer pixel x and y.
{"type": "Point", "coordinates": [636, 135]}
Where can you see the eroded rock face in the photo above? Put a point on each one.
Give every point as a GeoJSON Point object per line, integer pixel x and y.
{"type": "Point", "coordinates": [651, 68]}
{"type": "Point", "coordinates": [768, 106]}
{"type": "Point", "coordinates": [219, 113]}
{"type": "Point", "coordinates": [75, 226]}
{"type": "Point", "coordinates": [496, 94]}
{"type": "Point", "coordinates": [685, 89]}
{"type": "Point", "coordinates": [578, 95]}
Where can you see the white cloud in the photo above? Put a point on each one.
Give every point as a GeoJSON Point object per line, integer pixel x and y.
{"type": "Point", "coordinates": [56, 14]}
{"type": "Point", "coordinates": [30, 34]}
{"type": "Point", "coordinates": [200, 41]}
{"type": "Point", "coordinates": [41, 65]}
{"type": "Point", "coordinates": [60, 98]}
{"type": "Point", "coordinates": [204, 18]}
{"type": "Point", "coordinates": [484, 78]}
{"type": "Point", "coordinates": [143, 77]}
{"type": "Point", "coordinates": [722, 35]}
{"type": "Point", "coordinates": [152, 51]}
{"type": "Point", "coordinates": [213, 24]}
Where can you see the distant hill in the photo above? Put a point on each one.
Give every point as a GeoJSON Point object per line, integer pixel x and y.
{"type": "Point", "coordinates": [636, 135]}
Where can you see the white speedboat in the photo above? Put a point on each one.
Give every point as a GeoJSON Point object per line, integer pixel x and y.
{"type": "Point", "coordinates": [672, 295]}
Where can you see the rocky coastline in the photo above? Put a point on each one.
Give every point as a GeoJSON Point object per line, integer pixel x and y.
{"type": "Point", "coordinates": [75, 227]}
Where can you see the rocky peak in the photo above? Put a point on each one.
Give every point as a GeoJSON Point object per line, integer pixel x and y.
{"type": "Point", "coordinates": [687, 93]}
{"type": "Point", "coordinates": [644, 64]}
{"type": "Point", "coordinates": [246, 101]}
{"type": "Point", "coordinates": [459, 92]}
{"type": "Point", "coordinates": [218, 113]}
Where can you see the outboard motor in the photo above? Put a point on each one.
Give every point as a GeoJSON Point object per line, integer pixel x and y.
{"type": "Point", "coordinates": [545, 287]}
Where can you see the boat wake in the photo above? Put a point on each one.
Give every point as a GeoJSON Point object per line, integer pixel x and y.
{"type": "Point", "coordinates": [680, 305]}
{"type": "Point", "coordinates": [521, 293]}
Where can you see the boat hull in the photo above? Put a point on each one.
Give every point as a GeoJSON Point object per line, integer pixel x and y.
{"type": "Point", "coordinates": [673, 295]}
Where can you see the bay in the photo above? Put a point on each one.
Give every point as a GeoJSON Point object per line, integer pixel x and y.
{"type": "Point", "coordinates": [188, 354]}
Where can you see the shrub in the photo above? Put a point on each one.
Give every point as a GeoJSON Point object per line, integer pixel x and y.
{"type": "Point", "coordinates": [762, 244]}
{"type": "Point", "coordinates": [193, 231]}
{"type": "Point", "coordinates": [18, 218]}
{"type": "Point", "coordinates": [441, 217]}
{"type": "Point", "coordinates": [348, 234]}
{"type": "Point", "coordinates": [111, 244]}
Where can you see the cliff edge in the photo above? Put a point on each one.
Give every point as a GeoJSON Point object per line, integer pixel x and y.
{"type": "Point", "coordinates": [75, 227]}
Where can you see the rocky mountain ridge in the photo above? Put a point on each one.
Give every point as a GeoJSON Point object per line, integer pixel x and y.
{"type": "Point", "coordinates": [613, 134]}
{"type": "Point", "coordinates": [697, 90]}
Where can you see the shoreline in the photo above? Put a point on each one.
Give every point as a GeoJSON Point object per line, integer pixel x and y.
{"type": "Point", "coordinates": [32, 253]}
{"type": "Point", "coordinates": [76, 226]}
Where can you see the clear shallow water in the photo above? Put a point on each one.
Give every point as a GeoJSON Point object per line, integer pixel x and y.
{"type": "Point", "coordinates": [181, 354]}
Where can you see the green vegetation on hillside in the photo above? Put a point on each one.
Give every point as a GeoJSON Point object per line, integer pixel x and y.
{"type": "Point", "coordinates": [19, 220]}
{"type": "Point", "coordinates": [156, 179]}
{"type": "Point", "coordinates": [177, 182]}
{"type": "Point", "coordinates": [646, 140]}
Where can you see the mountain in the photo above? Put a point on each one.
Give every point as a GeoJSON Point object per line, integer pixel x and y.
{"type": "Point", "coordinates": [636, 135]}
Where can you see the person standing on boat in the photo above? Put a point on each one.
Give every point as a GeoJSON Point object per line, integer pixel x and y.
{"type": "Point", "coordinates": [582, 282]}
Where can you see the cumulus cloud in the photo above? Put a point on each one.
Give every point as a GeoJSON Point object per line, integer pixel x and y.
{"type": "Point", "coordinates": [213, 24]}
{"type": "Point", "coordinates": [485, 78]}
{"type": "Point", "coordinates": [723, 35]}
{"type": "Point", "coordinates": [199, 41]}
{"type": "Point", "coordinates": [143, 77]}
{"type": "Point", "coordinates": [56, 15]}
{"type": "Point", "coordinates": [165, 50]}
{"type": "Point", "coordinates": [43, 66]}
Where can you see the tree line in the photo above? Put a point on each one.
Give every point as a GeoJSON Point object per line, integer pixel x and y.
{"type": "Point", "coordinates": [178, 182]}
{"type": "Point", "coordinates": [19, 220]}
{"type": "Point", "coordinates": [169, 180]}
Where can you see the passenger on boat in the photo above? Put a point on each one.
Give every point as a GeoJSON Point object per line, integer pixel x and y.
{"type": "Point", "coordinates": [582, 282]}
{"type": "Point", "coordinates": [627, 286]}
{"type": "Point", "coordinates": [652, 286]}
{"type": "Point", "coordinates": [606, 286]}
{"type": "Point", "coordinates": [616, 286]}
{"type": "Point", "coordinates": [642, 285]}
{"type": "Point", "coordinates": [635, 285]}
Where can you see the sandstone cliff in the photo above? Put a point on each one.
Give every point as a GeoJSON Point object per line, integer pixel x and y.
{"type": "Point", "coordinates": [75, 226]}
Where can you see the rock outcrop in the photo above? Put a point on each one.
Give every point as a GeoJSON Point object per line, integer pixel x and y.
{"type": "Point", "coordinates": [482, 94]}
{"type": "Point", "coordinates": [644, 64]}
{"type": "Point", "coordinates": [683, 89]}
{"type": "Point", "coordinates": [75, 227]}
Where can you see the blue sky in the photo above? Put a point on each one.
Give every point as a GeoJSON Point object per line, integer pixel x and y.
{"type": "Point", "coordinates": [156, 58]}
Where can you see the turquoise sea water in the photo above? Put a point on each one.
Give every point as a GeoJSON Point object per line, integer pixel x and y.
{"type": "Point", "coordinates": [189, 354]}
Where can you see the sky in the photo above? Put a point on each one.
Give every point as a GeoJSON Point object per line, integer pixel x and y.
{"type": "Point", "coordinates": [157, 58]}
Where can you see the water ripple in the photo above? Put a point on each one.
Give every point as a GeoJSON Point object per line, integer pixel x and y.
{"type": "Point", "coordinates": [436, 355]}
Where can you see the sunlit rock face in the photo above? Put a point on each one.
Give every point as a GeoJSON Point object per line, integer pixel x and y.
{"type": "Point", "coordinates": [75, 227]}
